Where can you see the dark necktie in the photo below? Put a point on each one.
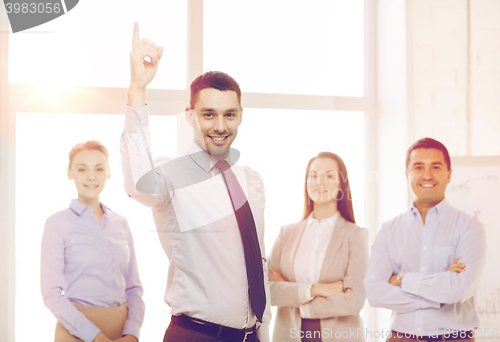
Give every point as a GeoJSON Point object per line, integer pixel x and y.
{"type": "Point", "coordinates": [251, 247]}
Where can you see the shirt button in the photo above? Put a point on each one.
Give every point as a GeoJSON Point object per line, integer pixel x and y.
{"type": "Point", "coordinates": [137, 122]}
{"type": "Point", "coordinates": [109, 271]}
{"type": "Point", "coordinates": [100, 234]}
{"type": "Point", "coordinates": [425, 247]}
{"type": "Point", "coordinates": [423, 227]}
{"type": "Point", "coordinates": [419, 329]}
{"type": "Point", "coordinates": [410, 289]}
{"type": "Point", "coordinates": [109, 291]}
{"type": "Point", "coordinates": [107, 252]}
{"type": "Point", "coordinates": [423, 268]}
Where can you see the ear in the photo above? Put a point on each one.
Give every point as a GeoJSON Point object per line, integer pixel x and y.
{"type": "Point", "coordinates": [109, 173]}
{"type": "Point", "coordinates": [189, 116]}
{"type": "Point", "coordinates": [406, 174]}
{"type": "Point", "coordinates": [449, 175]}
{"type": "Point", "coordinates": [241, 115]}
{"type": "Point", "coordinates": [69, 174]}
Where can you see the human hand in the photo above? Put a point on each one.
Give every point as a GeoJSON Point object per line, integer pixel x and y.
{"type": "Point", "coordinates": [327, 289]}
{"type": "Point", "coordinates": [275, 275]}
{"type": "Point", "coordinates": [127, 338]}
{"type": "Point", "coordinates": [456, 266]}
{"type": "Point", "coordinates": [142, 71]}
{"type": "Point", "coordinates": [393, 280]}
{"type": "Point", "coordinates": [101, 338]}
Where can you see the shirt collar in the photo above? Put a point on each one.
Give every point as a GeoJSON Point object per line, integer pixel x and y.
{"type": "Point", "coordinates": [439, 208]}
{"type": "Point", "coordinates": [78, 207]}
{"type": "Point", "coordinates": [326, 222]}
{"type": "Point", "coordinates": [205, 161]}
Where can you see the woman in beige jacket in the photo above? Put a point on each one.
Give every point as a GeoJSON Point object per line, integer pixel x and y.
{"type": "Point", "coordinates": [317, 265]}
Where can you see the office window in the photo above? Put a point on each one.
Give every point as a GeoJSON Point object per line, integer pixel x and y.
{"type": "Point", "coordinates": [90, 45]}
{"type": "Point", "coordinates": [287, 47]}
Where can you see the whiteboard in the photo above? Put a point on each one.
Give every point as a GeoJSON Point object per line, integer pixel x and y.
{"type": "Point", "coordinates": [475, 188]}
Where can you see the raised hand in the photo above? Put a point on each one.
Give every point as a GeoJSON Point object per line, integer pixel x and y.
{"type": "Point", "coordinates": [142, 71]}
{"type": "Point", "coordinates": [456, 266]}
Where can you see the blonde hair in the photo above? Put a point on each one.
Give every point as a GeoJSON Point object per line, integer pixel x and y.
{"type": "Point", "coordinates": [88, 145]}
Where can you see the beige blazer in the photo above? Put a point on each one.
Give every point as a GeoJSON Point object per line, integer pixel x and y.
{"type": "Point", "coordinates": [346, 259]}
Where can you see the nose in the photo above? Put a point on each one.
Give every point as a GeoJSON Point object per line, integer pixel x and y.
{"type": "Point", "coordinates": [427, 173]}
{"type": "Point", "coordinates": [220, 124]}
{"type": "Point", "coordinates": [321, 178]}
{"type": "Point", "coordinates": [90, 175]}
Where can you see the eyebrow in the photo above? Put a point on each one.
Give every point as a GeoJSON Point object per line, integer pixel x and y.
{"type": "Point", "coordinates": [203, 109]}
{"type": "Point", "coordinates": [86, 165]}
{"type": "Point", "coordinates": [421, 163]}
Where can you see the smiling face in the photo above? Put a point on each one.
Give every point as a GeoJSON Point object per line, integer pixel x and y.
{"type": "Point", "coordinates": [89, 169]}
{"type": "Point", "coordinates": [428, 176]}
{"type": "Point", "coordinates": [323, 181]}
{"type": "Point", "coordinates": [215, 120]}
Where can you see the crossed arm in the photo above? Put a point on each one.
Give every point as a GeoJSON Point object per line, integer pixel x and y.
{"type": "Point", "coordinates": [422, 291]}
{"type": "Point", "coordinates": [341, 298]}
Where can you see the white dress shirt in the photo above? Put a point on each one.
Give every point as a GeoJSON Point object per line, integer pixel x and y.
{"type": "Point", "coordinates": [312, 250]}
{"type": "Point", "coordinates": [196, 226]}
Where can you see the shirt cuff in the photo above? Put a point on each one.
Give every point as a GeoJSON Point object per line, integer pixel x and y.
{"type": "Point", "coordinates": [308, 292]}
{"type": "Point", "coordinates": [411, 283]}
{"type": "Point", "coordinates": [303, 293]}
{"type": "Point", "coordinates": [89, 332]}
{"type": "Point", "coordinates": [131, 329]}
{"type": "Point", "coordinates": [135, 120]}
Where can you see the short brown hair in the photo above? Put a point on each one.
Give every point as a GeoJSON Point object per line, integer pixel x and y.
{"type": "Point", "coordinates": [213, 79]}
{"type": "Point", "coordinates": [88, 145]}
{"type": "Point", "coordinates": [429, 143]}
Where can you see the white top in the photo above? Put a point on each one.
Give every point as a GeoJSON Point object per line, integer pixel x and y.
{"type": "Point", "coordinates": [312, 250]}
{"type": "Point", "coordinates": [196, 226]}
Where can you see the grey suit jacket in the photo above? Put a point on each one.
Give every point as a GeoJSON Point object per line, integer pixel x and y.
{"type": "Point", "coordinates": [346, 259]}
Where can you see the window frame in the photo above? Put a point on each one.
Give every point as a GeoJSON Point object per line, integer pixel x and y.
{"type": "Point", "coordinates": [16, 98]}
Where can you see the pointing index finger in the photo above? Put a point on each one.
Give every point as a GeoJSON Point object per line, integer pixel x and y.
{"type": "Point", "coordinates": [135, 38]}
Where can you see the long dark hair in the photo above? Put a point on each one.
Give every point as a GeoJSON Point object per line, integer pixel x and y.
{"type": "Point", "coordinates": [344, 198]}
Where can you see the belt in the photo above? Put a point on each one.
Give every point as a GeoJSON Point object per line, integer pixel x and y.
{"type": "Point", "coordinates": [453, 335]}
{"type": "Point", "coordinates": [215, 330]}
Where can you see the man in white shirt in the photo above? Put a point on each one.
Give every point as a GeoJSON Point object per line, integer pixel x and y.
{"type": "Point", "coordinates": [199, 209]}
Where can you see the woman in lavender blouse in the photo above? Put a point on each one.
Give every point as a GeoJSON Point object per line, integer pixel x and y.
{"type": "Point", "coordinates": [89, 274]}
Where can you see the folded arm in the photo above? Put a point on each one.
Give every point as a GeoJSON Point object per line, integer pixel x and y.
{"type": "Point", "coordinates": [284, 293]}
{"type": "Point", "coordinates": [449, 287]}
{"type": "Point", "coordinates": [379, 291]}
{"type": "Point", "coordinates": [349, 301]}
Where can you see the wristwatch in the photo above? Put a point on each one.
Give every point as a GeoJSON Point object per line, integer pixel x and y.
{"type": "Point", "coordinates": [400, 277]}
